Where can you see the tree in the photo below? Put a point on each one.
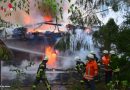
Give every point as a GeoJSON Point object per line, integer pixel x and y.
{"type": "Point", "coordinates": [51, 6]}
{"type": "Point", "coordinates": [83, 12]}
{"type": "Point", "coordinates": [122, 43]}
{"type": "Point", "coordinates": [106, 36]}
{"type": "Point", "coordinates": [64, 43]}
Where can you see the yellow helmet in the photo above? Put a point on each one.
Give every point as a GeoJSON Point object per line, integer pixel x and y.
{"type": "Point", "coordinates": [45, 58]}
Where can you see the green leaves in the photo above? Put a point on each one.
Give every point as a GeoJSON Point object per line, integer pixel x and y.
{"type": "Point", "coordinates": [64, 43]}
{"type": "Point", "coordinates": [107, 35]}
{"type": "Point", "coordinates": [12, 1]}
{"type": "Point", "coordinates": [123, 41]}
{"type": "Point", "coordinates": [5, 53]}
{"type": "Point", "coordinates": [115, 7]}
{"type": "Point", "coordinates": [5, 0]}
{"type": "Point", "coordinates": [52, 7]}
{"type": "Point", "coordinates": [69, 0]}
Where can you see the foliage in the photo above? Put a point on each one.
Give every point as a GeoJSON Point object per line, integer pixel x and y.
{"type": "Point", "coordinates": [4, 23]}
{"type": "Point", "coordinates": [123, 85]}
{"type": "Point", "coordinates": [53, 7]}
{"type": "Point", "coordinates": [50, 8]}
{"type": "Point", "coordinates": [106, 36]}
{"type": "Point", "coordinates": [64, 43]}
{"type": "Point", "coordinates": [5, 53]}
{"type": "Point", "coordinates": [45, 5]}
{"type": "Point", "coordinates": [122, 42]}
{"type": "Point", "coordinates": [83, 12]}
{"type": "Point", "coordinates": [18, 5]}
{"type": "Point", "coordinates": [125, 72]}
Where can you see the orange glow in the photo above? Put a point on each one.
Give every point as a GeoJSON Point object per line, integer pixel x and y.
{"type": "Point", "coordinates": [27, 19]}
{"type": "Point", "coordinates": [47, 18]}
{"type": "Point", "coordinates": [32, 30]}
{"type": "Point", "coordinates": [52, 56]}
{"type": "Point", "coordinates": [44, 27]}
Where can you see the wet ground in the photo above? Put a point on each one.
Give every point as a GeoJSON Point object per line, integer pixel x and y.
{"type": "Point", "coordinates": [74, 86]}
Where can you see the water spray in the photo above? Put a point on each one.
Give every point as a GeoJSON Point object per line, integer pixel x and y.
{"type": "Point", "coordinates": [30, 51]}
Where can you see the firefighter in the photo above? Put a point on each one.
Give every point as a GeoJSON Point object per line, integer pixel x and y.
{"type": "Point", "coordinates": [96, 59]}
{"type": "Point", "coordinates": [91, 72]}
{"type": "Point", "coordinates": [80, 66]}
{"type": "Point", "coordinates": [94, 54]}
{"type": "Point", "coordinates": [114, 64]}
{"type": "Point", "coordinates": [41, 75]}
{"type": "Point", "coordinates": [105, 60]}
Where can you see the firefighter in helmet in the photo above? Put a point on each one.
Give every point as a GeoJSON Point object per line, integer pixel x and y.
{"type": "Point", "coordinates": [80, 66]}
{"type": "Point", "coordinates": [41, 75]}
{"type": "Point", "coordinates": [94, 54]}
{"type": "Point", "coordinates": [115, 64]}
{"type": "Point", "coordinates": [107, 68]}
{"type": "Point", "coordinates": [91, 72]}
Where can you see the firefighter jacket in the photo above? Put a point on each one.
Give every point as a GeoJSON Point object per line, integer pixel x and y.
{"type": "Point", "coordinates": [41, 71]}
{"type": "Point", "coordinates": [91, 70]}
{"type": "Point", "coordinates": [106, 62]}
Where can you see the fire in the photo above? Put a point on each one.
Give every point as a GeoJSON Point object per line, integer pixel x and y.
{"type": "Point", "coordinates": [42, 28]}
{"type": "Point", "coordinates": [47, 18]}
{"type": "Point", "coordinates": [52, 56]}
{"type": "Point", "coordinates": [32, 30]}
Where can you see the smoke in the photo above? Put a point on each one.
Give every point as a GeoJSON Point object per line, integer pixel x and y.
{"type": "Point", "coordinates": [6, 74]}
{"type": "Point", "coordinates": [65, 60]}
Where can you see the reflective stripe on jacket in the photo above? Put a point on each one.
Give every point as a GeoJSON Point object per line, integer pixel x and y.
{"type": "Point", "coordinates": [91, 68]}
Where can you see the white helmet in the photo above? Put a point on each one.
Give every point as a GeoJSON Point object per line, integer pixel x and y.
{"type": "Point", "coordinates": [92, 52]}
{"type": "Point", "coordinates": [105, 52]}
{"type": "Point", "coordinates": [90, 56]}
{"type": "Point", "coordinates": [77, 58]}
{"type": "Point", "coordinates": [45, 58]}
{"type": "Point", "coordinates": [112, 52]}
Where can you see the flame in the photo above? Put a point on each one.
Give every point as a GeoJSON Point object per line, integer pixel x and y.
{"type": "Point", "coordinates": [32, 30]}
{"type": "Point", "coordinates": [47, 18]}
{"type": "Point", "coordinates": [43, 28]}
{"type": "Point", "coordinates": [52, 56]}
